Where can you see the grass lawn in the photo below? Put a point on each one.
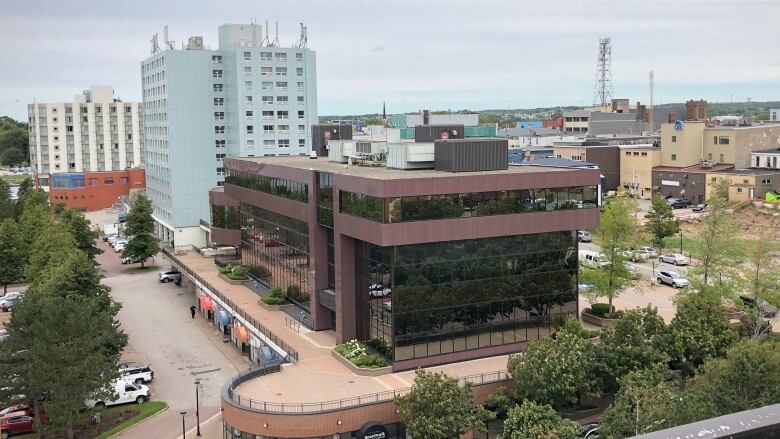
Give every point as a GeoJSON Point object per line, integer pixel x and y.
{"type": "Point", "coordinates": [115, 419]}
{"type": "Point", "coordinates": [138, 269]}
{"type": "Point", "coordinates": [15, 178]}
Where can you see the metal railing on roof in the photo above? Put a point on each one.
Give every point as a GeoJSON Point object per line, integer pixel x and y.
{"type": "Point", "coordinates": [292, 354]}
{"type": "Point", "coordinates": [242, 402]}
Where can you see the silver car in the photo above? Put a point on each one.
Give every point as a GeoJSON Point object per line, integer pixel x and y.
{"type": "Point", "coordinates": [675, 259]}
{"type": "Point", "coordinates": [672, 278]}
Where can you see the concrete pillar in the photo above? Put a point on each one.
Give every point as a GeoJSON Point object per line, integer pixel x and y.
{"type": "Point", "coordinates": [346, 327]}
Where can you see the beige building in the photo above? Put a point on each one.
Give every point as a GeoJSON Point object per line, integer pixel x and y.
{"type": "Point", "coordinates": [745, 184]}
{"type": "Point", "coordinates": [636, 169]}
{"type": "Point", "coordinates": [96, 132]}
{"type": "Point", "coordinates": [695, 142]}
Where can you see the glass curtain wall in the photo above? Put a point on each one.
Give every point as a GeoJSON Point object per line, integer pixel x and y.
{"type": "Point", "coordinates": [276, 248]}
{"type": "Point", "coordinates": [280, 187]}
{"type": "Point", "coordinates": [429, 207]}
{"type": "Point", "coordinates": [224, 217]}
{"type": "Point", "coordinates": [437, 298]}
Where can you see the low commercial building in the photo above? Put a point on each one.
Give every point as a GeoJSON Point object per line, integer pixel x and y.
{"type": "Point", "coordinates": [606, 156]}
{"type": "Point", "coordinates": [687, 182]}
{"type": "Point", "coordinates": [94, 190]}
{"type": "Point", "coordinates": [436, 267]}
{"type": "Point", "coordinates": [774, 114]}
{"type": "Point", "coordinates": [636, 168]}
{"type": "Point", "coordinates": [617, 119]}
{"type": "Point", "coordinates": [765, 159]}
{"type": "Point", "coordinates": [689, 143]}
{"type": "Point", "coordinates": [745, 184]}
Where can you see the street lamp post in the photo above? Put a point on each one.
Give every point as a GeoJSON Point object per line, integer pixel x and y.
{"type": "Point", "coordinates": [681, 240]}
{"type": "Point", "coordinates": [197, 407]}
{"type": "Point", "coordinates": [183, 431]}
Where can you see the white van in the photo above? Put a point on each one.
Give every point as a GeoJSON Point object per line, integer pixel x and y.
{"type": "Point", "coordinates": [592, 259]}
{"type": "Point", "coordinates": [126, 392]}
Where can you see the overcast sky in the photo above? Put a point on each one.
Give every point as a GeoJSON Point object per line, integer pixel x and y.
{"type": "Point", "coordinates": [447, 54]}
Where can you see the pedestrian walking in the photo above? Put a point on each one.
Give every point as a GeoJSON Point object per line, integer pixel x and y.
{"type": "Point", "coordinates": [192, 311]}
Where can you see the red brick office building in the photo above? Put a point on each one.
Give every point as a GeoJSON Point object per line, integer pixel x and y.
{"type": "Point", "coordinates": [94, 190]}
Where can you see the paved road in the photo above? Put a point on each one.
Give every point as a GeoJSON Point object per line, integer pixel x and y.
{"type": "Point", "coordinates": [157, 320]}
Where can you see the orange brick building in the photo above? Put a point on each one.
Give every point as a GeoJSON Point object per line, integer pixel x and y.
{"type": "Point", "coordinates": [94, 190]}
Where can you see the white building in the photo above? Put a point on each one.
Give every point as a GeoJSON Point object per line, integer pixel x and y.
{"type": "Point", "coordinates": [774, 114]}
{"type": "Point", "coordinates": [97, 132]}
{"type": "Point", "coordinates": [250, 97]}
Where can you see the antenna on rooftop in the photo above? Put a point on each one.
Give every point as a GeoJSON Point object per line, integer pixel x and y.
{"type": "Point", "coordinates": [275, 42]}
{"type": "Point", "coordinates": [168, 43]}
{"type": "Point", "coordinates": [652, 85]}
{"type": "Point", "coordinates": [302, 42]}
{"type": "Point", "coordinates": [603, 91]}
{"type": "Point", "coordinates": [265, 41]}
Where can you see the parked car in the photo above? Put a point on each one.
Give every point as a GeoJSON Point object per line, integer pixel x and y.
{"type": "Point", "coordinates": [7, 301]}
{"type": "Point", "coordinates": [108, 237]}
{"type": "Point", "coordinates": [672, 278]}
{"type": "Point", "coordinates": [3, 336]}
{"type": "Point", "coordinates": [592, 259]}
{"type": "Point", "coordinates": [22, 421]}
{"type": "Point", "coordinates": [378, 290]}
{"type": "Point", "coordinates": [169, 275]}
{"type": "Point", "coordinates": [590, 430]}
{"type": "Point", "coordinates": [634, 255]}
{"type": "Point", "coordinates": [584, 236]}
{"type": "Point", "coordinates": [675, 259]}
{"type": "Point", "coordinates": [649, 251]}
{"type": "Point", "coordinates": [763, 307]}
{"type": "Point", "coordinates": [126, 392]}
{"type": "Point", "coordinates": [119, 248]}
{"type": "Point", "coordinates": [680, 203]}
{"type": "Point", "coordinates": [700, 207]}
{"type": "Point", "coordinates": [114, 238]}
{"type": "Point", "coordinates": [122, 217]}
{"type": "Point", "coordinates": [130, 260]}
{"type": "Point", "coordinates": [633, 272]}
{"type": "Point", "coordinates": [136, 373]}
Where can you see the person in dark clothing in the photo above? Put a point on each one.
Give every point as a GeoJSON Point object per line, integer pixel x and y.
{"type": "Point", "coordinates": [192, 311]}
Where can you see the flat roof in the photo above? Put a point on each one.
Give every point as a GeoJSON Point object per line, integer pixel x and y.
{"type": "Point", "coordinates": [767, 151]}
{"type": "Point", "coordinates": [322, 164]}
{"type": "Point", "coordinates": [750, 171]}
{"type": "Point", "coordinates": [720, 167]}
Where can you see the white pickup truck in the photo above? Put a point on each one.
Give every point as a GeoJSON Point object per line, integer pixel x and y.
{"type": "Point", "coordinates": [126, 392]}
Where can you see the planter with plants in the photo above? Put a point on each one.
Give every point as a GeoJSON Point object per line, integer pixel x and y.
{"type": "Point", "coordinates": [353, 355]}
{"type": "Point", "coordinates": [731, 311]}
{"type": "Point", "coordinates": [598, 314]}
{"type": "Point", "coordinates": [274, 301]}
{"type": "Point", "coordinates": [575, 327]}
{"type": "Point", "coordinates": [234, 274]}
{"type": "Point", "coordinates": [259, 272]}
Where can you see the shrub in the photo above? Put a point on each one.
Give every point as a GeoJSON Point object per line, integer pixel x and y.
{"type": "Point", "coordinates": [355, 352]}
{"type": "Point", "coordinates": [293, 291]}
{"type": "Point", "coordinates": [600, 309]}
{"type": "Point", "coordinates": [272, 300]}
{"type": "Point", "coordinates": [240, 271]}
{"type": "Point", "coordinates": [277, 292]}
{"type": "Point", "coordinates": [226, 269]}
{"type": "Point", "coordinates": [259, 272]}
{"type": "Point", "coordinates": [382, 346]}
{"type": "Point", "coordinates": [369, 361]}
{"type": "Point", "coordinates": [574, 326]}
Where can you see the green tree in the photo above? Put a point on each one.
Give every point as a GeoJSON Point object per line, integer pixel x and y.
{"type": "Point", "coordinates": [13, 157]}
{"type": "Point", "coordinates": [50, 247]}
{"type": "Point", "coordinates": [140, 228]}
{"type": "Point", "coordinates": [634, 343]}
{"type": "Point", "coordinates": [438, 408]}
{"type": "Point", "coordinates": [717, 249]}
{"type": "Point", "coordinates": [11, 253]}
{"type": "Point", "coordinates": [534, 421]}
{"type": "Point", "coordinates": [32, 221]}
{"type": "Point", "coordinates": [14, 139]}
{"type": "Point", "coordinates": [698, 331]}
{"type": "Point", "coordinates": [747, 378]}
{"type": "Point", "coordinates": [760, 275]}
{"type": "Point", "coordinates": [646, 402]}
{"type": "Point", "coordinates": [30, 198]}
{"type": "Point", "coordinates": [661, 222]}
{"type": "Point", "coordinates": [6, 204]}
{"type": "Point", "coordinates": [78, 225]}
{"type": "Point", "coordinates": [63, 341]}
{"type": "Point", "coordinates": [555, 371]}
{"type": "Point", "coordinates": [617, 232]}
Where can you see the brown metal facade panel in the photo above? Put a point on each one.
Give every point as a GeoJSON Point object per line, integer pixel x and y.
{"type": "Point", "coordinates": [226, 236]}
{"type": "Point", "coordinates": [293, 209]}
{"type": "Point", "coordinates": [429, 133]}
{"type": "Point", "coordinates": [402, 365]}
{"type": "Point", "coordinates": [220, 198]}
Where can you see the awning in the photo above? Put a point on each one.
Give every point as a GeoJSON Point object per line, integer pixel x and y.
{"type": "Point", "coordinates": [223, 318]}
{"type": "Point", "coordinates": [206, 303]}
{"type": "Point", "coordinates": [241, 333]}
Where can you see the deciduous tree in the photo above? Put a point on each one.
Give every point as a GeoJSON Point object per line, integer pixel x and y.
{"type": "Point", "coordinates": [51, 246]}
{"type": "Point", "coordinates": [6, 205]}
{"type": "Point", "coordinates": [617, 232]}
{"type": "Point", "coordinates": [646, 402]}
{"type": "Point", "coordinates": [534, 421]}
{"type": "Point", "coordinates": [717, 249]}
{"type": "Point", "coordinates": [661, 222]}
{"type": "Point", "coordinates": [698, 331]}
{"type": "Point", "coordinates": [438, 408]}
{"type": "Point", "coordinates": [634, 343]}
{"type": "Point", "coordinates": [555, 371]}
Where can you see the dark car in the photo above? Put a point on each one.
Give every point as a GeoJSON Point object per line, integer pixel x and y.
{"type": "Point", "coordinates": [763, 307]}
{"type": "Point", "coordinates": [700, 207]}
{"type": "Point", "coordinates": [679, 203]}
{"type": "Point", "coordinates": [122, 217]}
